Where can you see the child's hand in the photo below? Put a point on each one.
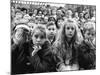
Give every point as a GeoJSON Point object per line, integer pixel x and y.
{"type": "Point", "coordinates": [36, 49]}
{"type": "Point", "coordinates": [89, 43]}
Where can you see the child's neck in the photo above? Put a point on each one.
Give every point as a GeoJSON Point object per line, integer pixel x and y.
{"type": "Point", "coordinates": [69, 41]}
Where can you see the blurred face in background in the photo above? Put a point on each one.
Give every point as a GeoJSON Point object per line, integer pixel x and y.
{"type": "Point", "coordinates": [94, 13]}
{"type": "Point", "coordinates": [45, 12]}
{"type": "Point", "coordinates": [54, 12]}
{"type": "Point", "coordinates": [60, 23]}
{"type": "Point", "coordinates": [31, 25]}
{"type": "Point", "coordinates": [81, 15]}
{"type": "Point", "coordinates": [19, 15]}
{"type": "Point", "coordinates": [76, 14]}
{"type": "Point", "coordinates": [59, 12]}
{"type": "Point", "coordinates": [46, 19]}
{"type": "Point", "coordinates": [40, 13]}
{"type": "Point", "coordinates": [69, 13]}
{"type": "Point", "coordinates": [35, 11]}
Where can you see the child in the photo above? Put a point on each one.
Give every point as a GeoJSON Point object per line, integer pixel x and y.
{"type": "Point", "coordinates": [59, 23]}
{"type": "Point", "coordinates": [40, 57]}
{"type": "Point", "coordinates": [51, 32]}
{"type": "Point", "coordinates": [20, 33]}
{"type": "Point", "coordinates": [65, 47]}
{"type": "Point", "coordinates": [87, 47]}
{"type": "Point", "coordinates": [19, 49]}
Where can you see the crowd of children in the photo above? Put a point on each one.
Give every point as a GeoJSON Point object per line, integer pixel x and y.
{"type": "Point", "coordinates": [52, 39]}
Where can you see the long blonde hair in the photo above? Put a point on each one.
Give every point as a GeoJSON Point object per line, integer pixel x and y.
{"type": "Point", "coordinates": [61, 44]}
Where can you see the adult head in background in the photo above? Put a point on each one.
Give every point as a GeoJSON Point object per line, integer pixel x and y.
{"type": "Point", "coordinates": [60, 12]}
{"type": "Point", "coordinates": [69, 14]}
{"type": "Point", "coordinates": [18, 14]}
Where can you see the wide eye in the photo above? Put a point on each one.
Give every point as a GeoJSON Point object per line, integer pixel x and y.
{"type": "Point", "coordinates": [36, 36]}
{"type": "Point", "coordinates": [72, 28]}
{"type": "Point", "coordinates": [68, 28]}
{"type": "Point", "coordinates": [42, 37]}
{"type": "Point", "coordinates": [88, 34]}
{"type": "Point", "coordinates": [49, 29]}
{"type": "Point", "coordinates": [92, 34]}
{"type": "Point", "coordinates": [53, 29]}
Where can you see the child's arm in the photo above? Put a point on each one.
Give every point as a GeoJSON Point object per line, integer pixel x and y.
{"type": "Point", "coordinates": [42, 63]}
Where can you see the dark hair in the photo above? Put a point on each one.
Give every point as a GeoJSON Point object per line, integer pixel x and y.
{"type": "Point", "coordinates": [61, 18]}
{"type": "Point", "coordinates": [51, 19]}
{"type": "Point", "coordinates": [50, 24]}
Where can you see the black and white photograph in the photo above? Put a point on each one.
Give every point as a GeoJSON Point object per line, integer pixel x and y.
{"type": "Point", "coordinates": [52, 37]}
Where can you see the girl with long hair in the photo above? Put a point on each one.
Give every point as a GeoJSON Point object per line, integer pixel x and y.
{"type": "Point", "coordinates": [65, 47]}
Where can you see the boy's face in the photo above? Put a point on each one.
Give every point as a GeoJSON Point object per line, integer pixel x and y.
{"type": "Point", "coordinates": [38, 38]}
{"type": "Point", "coordinates": [19, 35]}
{"type": "Point", "coordinates": [51, 30]}
{"type": "Point", "coordinates": [69, 30]}
{"type": "Point", "coordinates": [89, 34]}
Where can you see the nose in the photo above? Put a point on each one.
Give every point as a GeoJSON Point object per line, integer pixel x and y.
{"type": "Point", "coordinates": [38, 39]}
{"type": "Point", "coordinates": [70, 30]}
{"type": "Point", "coordinates": [51, 31]}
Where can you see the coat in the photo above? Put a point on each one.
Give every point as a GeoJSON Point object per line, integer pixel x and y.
{"type": "Point", "coordinates": [43, 60]}
{"type": "Point", "coordinates": [19, 60]}
{"type": "Point", "coordinates": [86, 56]}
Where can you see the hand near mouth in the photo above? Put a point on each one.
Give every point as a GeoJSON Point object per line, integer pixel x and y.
{"type": "Point", "coordinates": [36, 49]}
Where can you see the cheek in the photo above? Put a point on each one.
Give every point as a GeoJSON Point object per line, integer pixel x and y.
{"type": "Point", "coordinates": [66, 30]}
{"type": "Point", "coordinates": [42, 40]}
{"type": "Point", "coordinates": [33, 39]}
{"type": "Point", "coordinates": [73, 32]}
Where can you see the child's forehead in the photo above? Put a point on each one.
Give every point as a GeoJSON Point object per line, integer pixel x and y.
{"type": "Point", "coordinates": [51, 26]}
{"type": "Point", "coordinates": [90, 31]}
{"type": "Point", "coordinates": [70, 25]}
{"type": "Point", "coordinates": [38, 32]}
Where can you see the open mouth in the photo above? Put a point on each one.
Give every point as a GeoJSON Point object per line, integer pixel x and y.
{"type": "Point", "coordinates": [70, 35]}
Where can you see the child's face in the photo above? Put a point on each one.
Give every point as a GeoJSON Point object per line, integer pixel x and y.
{"type": "Point", "coordinates": [60, 23]}
{"type": "Point", "coordinates": [54, 12]}
{"type": "Point", "coordinates": [31, 25]}
{"type": "Point", "coordinates": [69, 13]}
{"type": "Point", "coordinates": [35, 11]}
{"type": "Point", "coordinates": [69, 30]}
{"type": "Point", "coordinates": [90, 35]}
{"type": "Point", "coordinates": [59, 12]}
{"type": "Point", "coordinates": [51, 30]}
{"type": "Point", "coordinates": [19, 35]}
{"type": "Point", "coordinates": [18, 15]}
{"type": "Point", "coordinates": [76, 14]}
{"type": "Point", "coordinates": [46, 19]}
{"type": "Point", "coordinates": [38, 38]}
